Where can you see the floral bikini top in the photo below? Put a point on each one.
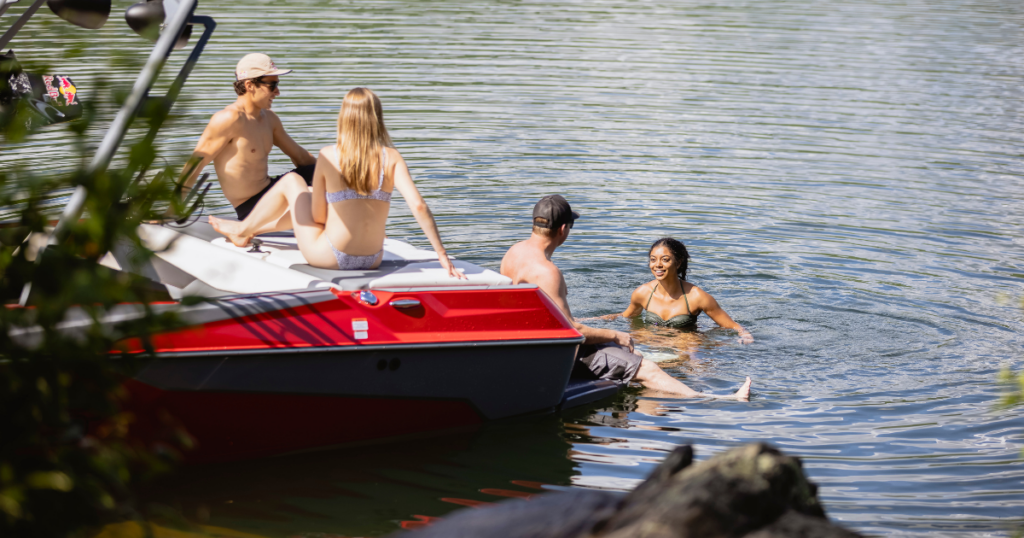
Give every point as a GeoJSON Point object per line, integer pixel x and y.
{"type": "Point", "coordinates": [376, 194]}
{"type": "Point", "coordinates": [676, 322]}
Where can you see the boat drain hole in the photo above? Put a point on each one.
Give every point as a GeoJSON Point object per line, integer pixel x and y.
{"type": "Point", "coordinates": [382, 364]}
{"type": "Point", "coordinates": [395, 363]}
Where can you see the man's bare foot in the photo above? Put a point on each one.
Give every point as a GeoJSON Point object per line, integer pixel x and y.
{"type": "Point", "coordinates": [742, 395]}
{"type": "Point", "coordinates": [230, 229]}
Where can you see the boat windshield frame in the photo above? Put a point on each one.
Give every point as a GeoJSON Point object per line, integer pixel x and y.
{"type": "Point", "coordinates": [138, 100]}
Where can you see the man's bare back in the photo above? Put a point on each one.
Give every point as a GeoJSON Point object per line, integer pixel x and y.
{"type": "Point", "coordinates": [525, 263]}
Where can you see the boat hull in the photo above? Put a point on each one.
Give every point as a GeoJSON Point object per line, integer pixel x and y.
{"type": "Point", "coordinates": [253, 405]}
{"type": "Point", "coordinates": [291, 374]}
{"type": "Point", "coordinates": [279, 356]}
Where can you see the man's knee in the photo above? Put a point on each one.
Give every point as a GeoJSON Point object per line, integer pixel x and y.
{"type": "Point", "coordinates": [292, 182]}
{"type": "Point", "coordinates": [293, 177]}
{"type": "Point", "coordinates": [612, 361]}
{"type": "Point", "coordinates": [306, 173]}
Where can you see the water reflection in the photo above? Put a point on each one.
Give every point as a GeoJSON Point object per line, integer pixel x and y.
{"type": "Point", "coordinates": [942, 457]}
{"type": "Point", "coordinates": [369, 491]}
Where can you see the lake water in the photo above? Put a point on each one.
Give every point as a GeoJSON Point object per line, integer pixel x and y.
{"type": "Point", "coordinates": [846, 175]}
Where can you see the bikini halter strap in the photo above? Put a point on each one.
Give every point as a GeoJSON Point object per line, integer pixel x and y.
{"type": "Point", "coordinates": [654, 289]}
{"type": "Point", "coordinates": [688, 311]}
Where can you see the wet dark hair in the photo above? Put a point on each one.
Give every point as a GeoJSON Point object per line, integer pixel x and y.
{"type": "Point", "coordinates": [678, 250]}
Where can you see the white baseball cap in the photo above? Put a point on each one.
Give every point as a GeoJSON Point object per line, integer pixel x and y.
{"type": "Point", "coordinates": [257, 65]}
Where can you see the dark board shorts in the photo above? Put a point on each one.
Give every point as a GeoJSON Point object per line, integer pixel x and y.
{"type": "Point", "coordinates": [606, 361]}
{"type": "Point", "coordinates": [245, 207]}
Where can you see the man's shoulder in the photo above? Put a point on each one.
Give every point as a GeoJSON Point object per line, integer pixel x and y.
{"type": "Point", "coordinates": [546, 276]}
{"type": "Point", "coordinates": [529, 265]}
{"type": "Point", "coordinates": [546, 271]}
{"type": "Point", "coordinates": [272, 116]}
{"type": "Point", "coordinates": [226, 118]}
{"type": "Point", "coordinates": [508, 266]}
{"type": "Point", "coordinates": [514, 249]}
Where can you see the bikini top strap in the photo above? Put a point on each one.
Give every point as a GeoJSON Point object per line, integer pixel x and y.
{"type": "Point", "coordinates": [652, 296]}
{"type": "Point", "coordinates": [688, 311]}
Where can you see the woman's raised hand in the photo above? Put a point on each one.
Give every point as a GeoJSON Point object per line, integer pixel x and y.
{"type": "Point", "coordinates": [453, 271]}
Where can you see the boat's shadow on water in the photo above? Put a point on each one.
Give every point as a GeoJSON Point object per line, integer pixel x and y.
{"type": "Point", "coordinates": [369, 490]}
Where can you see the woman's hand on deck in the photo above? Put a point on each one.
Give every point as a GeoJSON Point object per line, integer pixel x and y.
{"type": "Point", "coordinates": [453, 271]}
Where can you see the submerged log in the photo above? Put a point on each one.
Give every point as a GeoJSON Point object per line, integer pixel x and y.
{"type": "Point", "coordinates": [753, 491]}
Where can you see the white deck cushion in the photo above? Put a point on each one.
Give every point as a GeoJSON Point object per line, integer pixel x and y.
{"type": "Point", "coordinates": [424, 271]}
{"type": "Point", "coordinates": [222, 268]}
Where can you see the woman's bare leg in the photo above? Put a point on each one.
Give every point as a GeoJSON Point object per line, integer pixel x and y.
{"type": "Point", "coordinates": [310, 235]}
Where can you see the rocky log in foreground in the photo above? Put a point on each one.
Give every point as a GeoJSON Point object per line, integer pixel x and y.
{"type": "Point", "coordinates": [753, 491]}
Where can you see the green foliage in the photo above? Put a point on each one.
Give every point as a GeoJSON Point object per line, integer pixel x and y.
{"type": "Point", "coordinates": [67, 451]}
{"type": "Point", "coordinates": [1015, 384]}
{"type": "Point", "coordinates": [1014, 395]}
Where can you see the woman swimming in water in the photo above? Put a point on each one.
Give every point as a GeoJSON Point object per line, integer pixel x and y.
{"type": "Point", "coordinates": [669, 300]}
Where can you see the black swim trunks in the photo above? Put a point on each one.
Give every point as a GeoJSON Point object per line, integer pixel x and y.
{"type": "Point", "coordinates": [306, 171]}
{"type": "Point", "coordinates": [606, 361]}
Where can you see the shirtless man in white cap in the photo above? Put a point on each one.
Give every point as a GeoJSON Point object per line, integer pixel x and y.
{"type": "Point", "coordinates": [239, 138]}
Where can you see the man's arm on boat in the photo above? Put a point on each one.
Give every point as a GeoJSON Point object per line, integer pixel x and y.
{"type": "Point", "coordinates": [213, 140]}
{"type": "Point", "coordinates": [551, 282]}
{"type": "Point", "coordinates": [291, 148]}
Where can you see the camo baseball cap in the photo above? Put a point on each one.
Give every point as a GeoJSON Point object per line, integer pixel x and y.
{"type": "Point", "coordinates": [257, 65]}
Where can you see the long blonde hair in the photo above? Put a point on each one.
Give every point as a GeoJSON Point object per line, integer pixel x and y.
{"type": "Point", "coordinates": [361, 137]}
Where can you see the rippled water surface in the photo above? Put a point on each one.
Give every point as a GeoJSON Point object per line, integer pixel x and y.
{"type": "Point", "coordinates": [846, 175]}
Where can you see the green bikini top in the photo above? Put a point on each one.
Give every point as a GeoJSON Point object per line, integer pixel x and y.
{"type": "Point", "coordinates": [676, 322]}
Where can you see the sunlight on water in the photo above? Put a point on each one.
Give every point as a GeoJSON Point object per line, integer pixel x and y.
{"type": "Point", "coordinates": [846, 176]}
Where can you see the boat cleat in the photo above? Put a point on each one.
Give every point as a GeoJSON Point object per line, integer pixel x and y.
{"type": "Point", "coordinates": [365, 297]}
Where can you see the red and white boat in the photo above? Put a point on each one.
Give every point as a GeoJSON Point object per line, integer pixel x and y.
{"type": "Point", "coordinates": [284, 357]}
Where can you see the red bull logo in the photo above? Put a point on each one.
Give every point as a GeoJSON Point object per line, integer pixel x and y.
{"type": "Point", "coordinates": [48, 81]}
{"type": "Point", "coordinates": [68, 90]}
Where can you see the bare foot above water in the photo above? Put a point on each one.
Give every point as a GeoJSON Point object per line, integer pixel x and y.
{"type": "Point", "coordinates": [742, 395]}
{"type": "Point", "coordinates": [230, 229]}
